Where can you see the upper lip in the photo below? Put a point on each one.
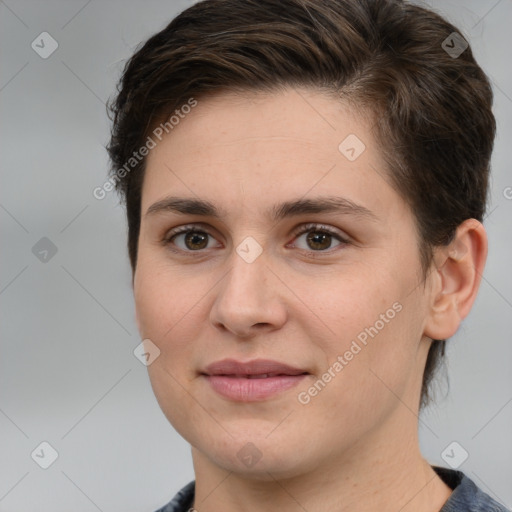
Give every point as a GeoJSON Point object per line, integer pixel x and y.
{"type": "Point", "coordinates": [254, 367]}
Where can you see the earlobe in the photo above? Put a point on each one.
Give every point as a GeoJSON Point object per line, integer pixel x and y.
{"type": "Point", "coordinates": [457, 278]}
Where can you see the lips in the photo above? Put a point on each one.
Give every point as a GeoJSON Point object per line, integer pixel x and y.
{"type": "Point", "coordinates": [258, 368]}
{"type": "Point", "coordinates": [255, 380]}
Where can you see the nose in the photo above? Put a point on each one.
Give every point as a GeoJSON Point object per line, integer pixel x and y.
{"type": "Point", "coordinates": [250, 299]}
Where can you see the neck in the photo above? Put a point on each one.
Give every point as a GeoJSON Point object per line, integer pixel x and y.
{"type": "Point", "coordinates": [374, 475]}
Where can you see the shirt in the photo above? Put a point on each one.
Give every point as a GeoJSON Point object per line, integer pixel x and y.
{"type": "Point", "coordinates": [466, 496]}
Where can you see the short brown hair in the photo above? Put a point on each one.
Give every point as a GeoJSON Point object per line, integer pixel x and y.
{"type": "Point", "coordinates": [432, 108]}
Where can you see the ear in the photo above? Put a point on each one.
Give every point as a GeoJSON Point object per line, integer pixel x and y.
{"type": "Point", "coordinates": [456, 279]}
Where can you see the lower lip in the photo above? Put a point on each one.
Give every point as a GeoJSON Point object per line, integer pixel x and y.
{"type": "Point", "coordinates": [242, 389]}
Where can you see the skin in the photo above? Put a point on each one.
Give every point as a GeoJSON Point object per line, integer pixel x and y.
{"type": "Point", "coordinates": [355, 444]}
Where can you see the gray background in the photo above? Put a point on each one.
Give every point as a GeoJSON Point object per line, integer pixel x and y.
{"type": "Point", "coordinates": [68, 374]}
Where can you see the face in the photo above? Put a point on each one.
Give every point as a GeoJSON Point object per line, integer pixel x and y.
{"type": "Point", "coordinates": [279, 275]}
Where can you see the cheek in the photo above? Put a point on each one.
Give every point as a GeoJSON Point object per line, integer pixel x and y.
{"type": "Point", "coordinates": [367, 338]}
{"type": "Point", "coordinates": [166, 315]}
{"type": "Point", "coordinates": [357, 304]}
{"type": "Point", "coordinates": [163, 298]}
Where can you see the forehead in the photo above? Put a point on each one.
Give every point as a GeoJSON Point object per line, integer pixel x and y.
{"type": "Point", "coordinates": [256, 118]}
{"type": "Point", "coordinates": [254, 148]}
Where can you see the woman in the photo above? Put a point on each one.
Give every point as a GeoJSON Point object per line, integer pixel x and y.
{"type": "Point", "coordinates": [305, 182]}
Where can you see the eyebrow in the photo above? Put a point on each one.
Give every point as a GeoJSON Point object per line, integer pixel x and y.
{"type": "Point", "coordinates": [328, 204]}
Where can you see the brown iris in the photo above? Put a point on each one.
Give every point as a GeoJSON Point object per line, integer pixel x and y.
{"type": "Point", "coordinates": [319, 240]}
{"type": "Point", "coordinates": [196, 240]}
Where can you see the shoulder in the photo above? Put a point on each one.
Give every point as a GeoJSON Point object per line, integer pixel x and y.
{"type": "Point", "coordinates": [182, 501]}
{"type": "Point", "coordinates": [466, 495]}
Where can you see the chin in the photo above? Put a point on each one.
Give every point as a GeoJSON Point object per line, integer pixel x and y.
{"type": "Point", "coordinates": [256, 457]}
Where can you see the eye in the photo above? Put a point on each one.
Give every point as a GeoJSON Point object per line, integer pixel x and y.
{"type": "Point", "coordinates": [318, 238]}
{"type": "Point", "coordinates": [188, 239]}
{"type": "Point", "coordinates": [312, 238]}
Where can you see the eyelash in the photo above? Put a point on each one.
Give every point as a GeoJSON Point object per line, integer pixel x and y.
{"type": "Point", "coordinates": [167, 241]}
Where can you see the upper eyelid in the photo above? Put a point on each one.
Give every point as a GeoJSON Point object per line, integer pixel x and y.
{"type": "Point", "coordinates": [303, 227]}
{"type": "Point", "coordinates": [318, 226]}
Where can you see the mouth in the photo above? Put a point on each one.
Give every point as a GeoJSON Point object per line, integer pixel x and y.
{"type": "Point", "coordinates": [259, 376]}
{"type": "Point", "coordinates": [255, 380]}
